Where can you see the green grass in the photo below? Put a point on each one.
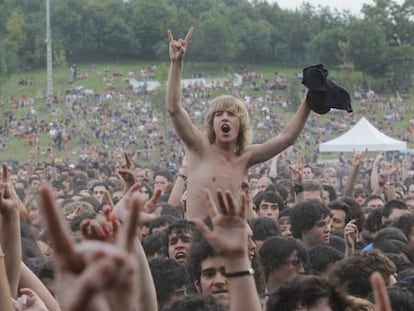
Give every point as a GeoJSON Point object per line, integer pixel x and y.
{"type": "Point", "coordinates": [18, 148]}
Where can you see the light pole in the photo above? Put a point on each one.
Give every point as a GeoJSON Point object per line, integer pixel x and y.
{"type": "Point", "coordinates": [49, 70]}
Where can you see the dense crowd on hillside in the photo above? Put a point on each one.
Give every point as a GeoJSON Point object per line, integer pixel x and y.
{"type": "Point", "coordinates": [216, 223]}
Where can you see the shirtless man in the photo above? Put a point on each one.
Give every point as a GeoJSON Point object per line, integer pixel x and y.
{"type": "Point", "coordinates": [220, 158]}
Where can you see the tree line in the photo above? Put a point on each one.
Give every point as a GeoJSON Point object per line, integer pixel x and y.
{"type": "Point", "coordinates": [378, 42]}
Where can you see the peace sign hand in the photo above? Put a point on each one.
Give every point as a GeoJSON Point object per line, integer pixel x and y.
{"type": "Point", "coordinates": [178, 48]}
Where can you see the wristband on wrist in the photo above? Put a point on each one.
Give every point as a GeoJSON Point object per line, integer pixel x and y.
{"type": "Point", "coordinates": [2, 255]}
{"type": "Point", "coordinates": [182, 176]}
{"type": "Point", "coordinates": [239, 273]}
{"type": "Point", "coordinates": [297, 188]}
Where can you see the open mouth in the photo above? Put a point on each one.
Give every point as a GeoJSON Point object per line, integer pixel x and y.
{"type": "Point", "coordinates": [180, 256]}
{"type": "Point", "coordinates": [225, 128]}
{"type": "Point", "coordinates": [219, 291]}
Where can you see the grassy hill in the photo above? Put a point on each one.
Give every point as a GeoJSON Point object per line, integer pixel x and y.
{"type": "Point", "coordinates": [19, 148]}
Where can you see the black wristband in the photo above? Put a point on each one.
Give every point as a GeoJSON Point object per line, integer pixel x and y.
{"type": "Point", "coordinates": [297, 188]}
{"type": "Point", "coordinates": [239, 273]}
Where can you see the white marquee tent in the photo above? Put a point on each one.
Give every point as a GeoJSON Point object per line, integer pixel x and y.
{"type": "Point", "coordinates": [361, 136]}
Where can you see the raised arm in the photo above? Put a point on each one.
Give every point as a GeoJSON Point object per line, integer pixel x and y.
{"type": "Point", "coordinates": [229, 238]}
{"type": "Point", "coordinates": [357, 160]}
{"type": "Point", "coordinates": [275, 145]}
{"type": "Point", "coordinates": [190, 134]}
{"type": "Point", "coordinates": [10, 231]}
{"type": "Point", "coordinates": [5, 295]}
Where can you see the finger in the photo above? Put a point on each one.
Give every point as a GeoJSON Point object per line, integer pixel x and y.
{"type": "Point", "coordinates": [230, 203]}
{"type": "Point", "coordinates": [202, 227]}
{"type": "Point", "coordinates": [135, 187]}
{"type": "Point", "coordinates": [170, 36]}
{"type": "Point", "coordinates": [189, 34]}
{"type": "Point", "coordinates": [211, 205]}
{"type": "Point", "coordinates": [62, 245]}
{"type": "Point", "coordinates": [96, 277]}
{"type": "Point", "coordinates": [129, 234]}
{"type": "Point", "coordinates": [127, 160]}
{"type": "Point", "coordinates": [152, 204]}
{"type": "Point", "coordinates": [381, 298]}
{"type": "Point", "coordinates": [221, 202]}
{"type": "Point", "coordinates": [243, 206]}
{"type": "Point", "coordinates": [5, 175]}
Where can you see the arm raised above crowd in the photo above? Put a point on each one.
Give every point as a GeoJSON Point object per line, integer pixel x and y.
{"type": "Point", "coordinates": [275, 145]}
{"type": "Point", "coordinates": [187, 131]}
{"type": "Point", "coordinates": [229, 238]}
{"type": "Point", "coordinates": [10, 231]}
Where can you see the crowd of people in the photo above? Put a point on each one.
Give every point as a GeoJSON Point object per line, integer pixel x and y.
{"type": "Point", "coordinates": [218, 224]}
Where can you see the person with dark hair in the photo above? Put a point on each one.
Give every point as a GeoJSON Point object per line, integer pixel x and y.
{"type": "Point", "coordinates": [341, 215]}
{"type": "Point", "coordinates": [220, 157]}
{"type": "Point", "coordinates": [308, 292]}
{"type": "Point", "coordinates": [154, 245]}
{"type": "Point", "coordinates": [392, 210]}
{"type": "Point", "coordinates": [268, 204]}
{"type": "Point", "coordinates": [356, 212]}
{"type": "Point", "coordinates": [401, 299]}
{"type": "Point", "coordinates": [406, 224]}
{"type": "Point", "coordinates": [170, 279]}
{"type": "Point", "coordinates": [374, 201]}
{"type": "Point", "coordinates": [328, 193]}
{"type": "Point", "coordinates": [312, 190]}
{"type": "Point", "coordinates": [263, 228]}
{"type": "Point", "coordinates": [98, 190]}
{"type": "Point", "coordinates": [353, 273]}
{"type": "Point", "coordinates": [311, 222]}
{"type": "Point", "coordinates": [178, 240]}
{"type": "Point", "coordinates": [322, 259]}
{"type": "Point", "coordinates": [282, 258]}
{"type": "Point", "coordinates": [194, 303]}
{"type": "Point", "coordinates": [285, 223]}
{"type": "Point", "coordinates": [162, 179]}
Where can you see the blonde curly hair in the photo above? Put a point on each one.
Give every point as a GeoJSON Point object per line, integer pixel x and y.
{"type": "Point", "coordinates": [233, 105]}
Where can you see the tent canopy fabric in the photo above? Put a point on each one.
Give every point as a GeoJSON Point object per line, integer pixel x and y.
{"type": "Point", "coordinates": [361, 136]}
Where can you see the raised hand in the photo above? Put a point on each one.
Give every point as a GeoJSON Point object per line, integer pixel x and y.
{"type": "Point", "coordinates": [379, 289]}
{"type": "Point", "coordinates": [100, 276]}
{"type": "Point", "coordinates": [358, 157]}
{"type": "Point", "coordinates": [178, 48]}
{"type": "Point", "coordinates": [229, 236]}
{"type": "Point", "coordinates": [9, 202]}
{"type": "Point", "coordinates": [104, 227]}
{"type": "Point", "coordinates": [126, 173]}
{"type": "Point", "coordinates": [29, 301]}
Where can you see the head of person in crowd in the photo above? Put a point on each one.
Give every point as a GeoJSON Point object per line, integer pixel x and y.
{"type": "Point", "coordinates": [341, 215]}
{"type": "Point", "coordinates": [307, 172]}
{"type": "Point", "coordinates": [67, 183]}
{"type": "Point", "coordinates": [401, 299]}
{"type": "Point", "coordinates": [164, 209]}
{"type": "Point", "coordinates": [392, 210]}
{"type": "Point", "coordinates": [75, 225]}
{"type": "Point", "coordinates": [410, 187]}
{"type": "Point", "coordinates": [406, 224]}
{"type": "Point", "coordinates": [162, 179]}
{"type": "Point", "coordinates": [356, 211]}
{"type": "Point", "coordinates": [104, 172]}
{"type": "Point", "coordinates": [263, 228]}
{"type": "Point", "coordinates": [153, 245]}
{"type": "Point", "coordinates": [227, 104]}
{"type": "Point", "coordinates": [409, 200]}
{"type": "Point", "coordinates": [374, 201]}
{"type": "Point", "coordinates": [44, 269]}
{"type": "Point", "coordinates": [268, 204]}
{"type": "Point", "coordinates": [178, 240]}
{"type": "Point", "coordinates": [312, 190]}
{"type": "Point", "coordinates": [170, 280]}
{"type": "Point", "coordinates": [98, 190]}
{"type": "Point", "coordinates": [285, 223]}
{"type": "Point", "coordinates": [360, 195]}
{"type": "Point", "coordinates": [158, 225]}
{"type": "Point", "coordinates": [194, 303]}
{"type": "Point", "coordinates": [57, 188]}
{"type": "Point", "coordinates": [262, 183]}
{"type": "Point", "coordinates": [252, 179]}
{"type": "Point", "coordinates": [145, 191]}
{"type": "Point", "coordinates": [34, 183]}
{"type": "Point", "coordinates": [207, 272]}
{"type": "Point", "coordinates": [322, 259]}
{"type": "Point", "coordinates": [282, 258]}
{"type": "Point", "coordinates": [308, 292]}
{"type": "Point", "coordinates": [311, 222]}
{"type": "Point", "coordinates": [353, 273]}
{"type": "Point", "coordinates": [328, 194]}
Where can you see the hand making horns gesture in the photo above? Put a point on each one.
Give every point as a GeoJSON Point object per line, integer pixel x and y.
{"type": "Point", "coordinates": [178, 47]}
